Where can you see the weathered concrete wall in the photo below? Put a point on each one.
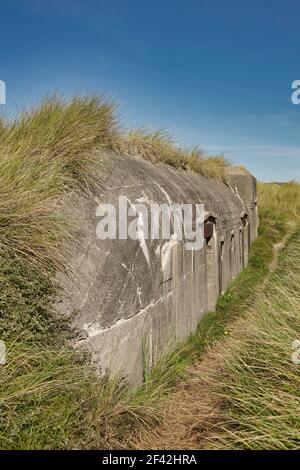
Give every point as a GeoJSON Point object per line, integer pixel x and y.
{"type": "Point", "coordinates": [244, 184]}
{"type": "Point", "coordinates": [132, 300]}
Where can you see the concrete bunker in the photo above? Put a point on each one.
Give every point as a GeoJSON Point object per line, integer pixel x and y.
{"type": "Point", "coordinates": [129, 306]}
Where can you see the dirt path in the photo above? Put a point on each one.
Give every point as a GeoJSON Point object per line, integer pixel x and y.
{"type": "Point", "coordinates": [182, 413]}
{"type": "Point", "coordinates": [186, 413]}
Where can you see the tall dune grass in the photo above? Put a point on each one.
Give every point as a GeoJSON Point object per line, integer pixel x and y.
{"type": "Point", "coordinates": [158, 147]}
{"type": "Point", "coordinates": [279, 205]}
{"type": "Point", "coordinates": [43, 153]}
{"type": "Point", "coordinates": [284, 197]}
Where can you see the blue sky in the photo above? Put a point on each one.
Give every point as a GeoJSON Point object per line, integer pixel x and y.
{"type": "Point", "coordinates": [213, 72]}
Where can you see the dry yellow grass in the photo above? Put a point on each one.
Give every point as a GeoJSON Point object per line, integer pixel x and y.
{"type": "Point", "coordinates": [158, 147]}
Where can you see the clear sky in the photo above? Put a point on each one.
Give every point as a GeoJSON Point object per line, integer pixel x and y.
{"type": "Point", "coordinates": [213, 72]}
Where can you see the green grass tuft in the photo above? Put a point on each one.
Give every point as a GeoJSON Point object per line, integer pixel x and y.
{"type": "Point", "coordinates": [43, 153]}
